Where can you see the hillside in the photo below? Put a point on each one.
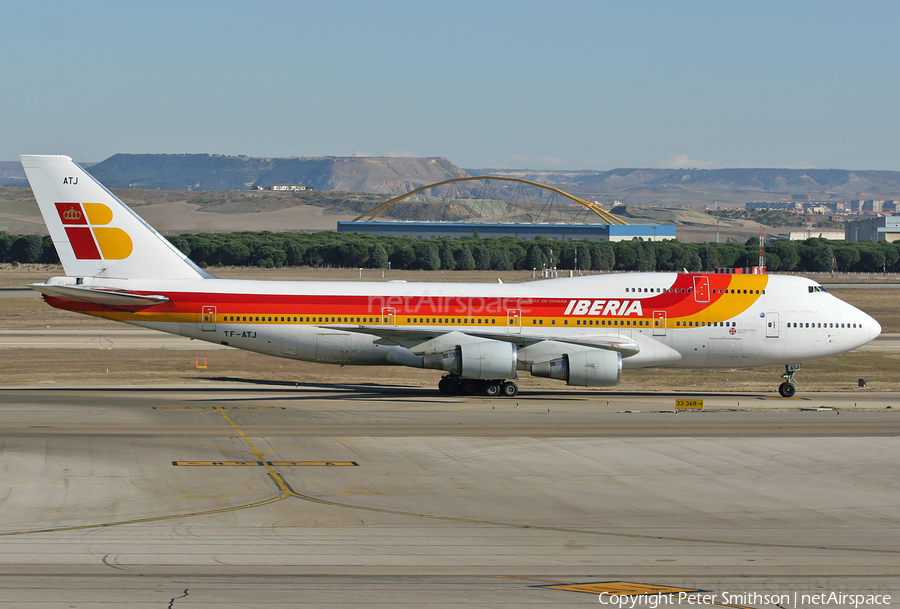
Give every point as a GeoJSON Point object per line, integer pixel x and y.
{"type": "Point", "coordinates": [714, 186]}
{"type": "Point", "coordinates": [12, 174]}
{"type": "Point", "coordinates": [213, 172]}
{"type": "Point", "coordinates": [178, 211]}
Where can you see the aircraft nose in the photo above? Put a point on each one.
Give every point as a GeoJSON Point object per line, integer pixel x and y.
{"type": "Point", "coordinates": [874, 328]}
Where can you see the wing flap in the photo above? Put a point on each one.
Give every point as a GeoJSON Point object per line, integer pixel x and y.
{"type": "Point", "coordinates": [408, 336]}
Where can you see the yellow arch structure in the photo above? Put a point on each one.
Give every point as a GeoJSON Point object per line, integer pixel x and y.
{"type": "Point", "coordinates": [605, 215]}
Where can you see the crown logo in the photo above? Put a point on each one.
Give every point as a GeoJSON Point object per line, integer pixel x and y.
{"type": "Point", "coordinates": [71, 214]}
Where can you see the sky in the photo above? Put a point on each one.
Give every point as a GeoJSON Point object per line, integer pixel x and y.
{"type": "Point", "coordinates": [561, 84]}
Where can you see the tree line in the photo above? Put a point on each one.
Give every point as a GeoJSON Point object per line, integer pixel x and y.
{"type": "Point", "coordinates": [353, 250]}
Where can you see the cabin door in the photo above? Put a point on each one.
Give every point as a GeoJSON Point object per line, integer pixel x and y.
{"type": "Point", "coordinates": [514, 321]}
{"type": "Point", "coordinates": [388, 314]}
{"type": "Point", "coordinates": [659, 323]}
{"type": "Point", "coordinates": [772, 330]}
{"type": "Point", "coordinates": [208, 319]}
{"type": "Point", "coordinates": [701, 288]}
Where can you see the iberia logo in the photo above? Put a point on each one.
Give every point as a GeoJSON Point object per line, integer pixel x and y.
{"type": "Point", "coordinates": [91, 239]}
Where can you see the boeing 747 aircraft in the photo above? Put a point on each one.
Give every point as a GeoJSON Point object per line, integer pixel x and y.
{"type": "Point", "coordinates": [583, 331]}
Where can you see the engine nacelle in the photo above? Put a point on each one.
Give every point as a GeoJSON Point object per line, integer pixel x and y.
{"type": "Point", "coordinates": [482, 360]}
{"type": "Point", "coordinates": [597, 368]}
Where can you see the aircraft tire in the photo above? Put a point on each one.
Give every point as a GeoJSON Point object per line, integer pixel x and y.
{"type": "Point", "coordinates": [448, 385]}
{"type": "Point", "coordinates": [492, 389]}
{"type": "Point", "coordinates": [787, 390]}
{"type": "Point", "coordinates": [466, 387]}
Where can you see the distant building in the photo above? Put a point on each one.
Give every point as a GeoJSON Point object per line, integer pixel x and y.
{"type": "Point", "coordinates": [885, 228]}
{"type": "Point", "coordinates": [775, 205]}
{"type": "Point", "coordinates": [803, 235]}
{"type": "Point", "coordinates": [289, 187]}
{"type": "Point", "coordinates": [559, 232]}
{"type": "Point", "coordinates": [872, 206]}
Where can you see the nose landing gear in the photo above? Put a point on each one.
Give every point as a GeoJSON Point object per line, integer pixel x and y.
{"type": "Point", "coordinates": [789, 387]}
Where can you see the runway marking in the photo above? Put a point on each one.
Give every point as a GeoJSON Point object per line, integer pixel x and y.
{"type": "Point", "coordinates": [273, 463]}
{"type": "Point", "coordinates": [620, 588]}
{"type": "Point", "coordinates": [635, 589]}
{"type": "Point", "coordinates": [279, 481]}
{"type": "Point", "coordinates": [191, 463]}
{"type": "Point", "coordinates": [219, 408]}
{"type": "Point", "coordinates": [102, 525]}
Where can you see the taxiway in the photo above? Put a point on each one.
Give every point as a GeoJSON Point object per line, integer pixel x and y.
{"type": "Point", "coordinates": [254, 494]}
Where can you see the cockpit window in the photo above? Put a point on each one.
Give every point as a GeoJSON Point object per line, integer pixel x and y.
{"type": "Point", "coordinates": [816, 288]}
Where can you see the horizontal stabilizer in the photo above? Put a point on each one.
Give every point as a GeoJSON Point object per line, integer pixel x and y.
{"type": "Point", "coordinates": [98, 296]}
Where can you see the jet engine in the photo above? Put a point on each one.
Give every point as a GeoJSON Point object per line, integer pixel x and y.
{"type": "Point", "coordinates": [596, 368]}
{"type": "Point", "coordinates": [479, 360]}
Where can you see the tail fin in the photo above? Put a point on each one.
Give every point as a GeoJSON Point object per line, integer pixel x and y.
{"type": "Point", "coordinates": [95, 234]}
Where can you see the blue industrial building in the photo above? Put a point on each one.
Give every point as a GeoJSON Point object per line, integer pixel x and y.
{"type": "Point", "coordinates": [558, 232]}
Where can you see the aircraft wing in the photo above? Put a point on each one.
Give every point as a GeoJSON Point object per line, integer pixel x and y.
{"type": "Point", "coordinates": [105, 297]}
{"type": "Point", "coordinates": [409, 337]}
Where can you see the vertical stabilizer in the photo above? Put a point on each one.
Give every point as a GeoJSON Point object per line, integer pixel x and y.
{"type": "Point", "coordinates": [95, 234]}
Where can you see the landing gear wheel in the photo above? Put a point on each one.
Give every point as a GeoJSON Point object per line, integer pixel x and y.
{"type": "Point", "coordinates": [787, 390]}
{"type": "Point", "coordinates": [789, 387]}
{"type": "Point", "coordinates": [466, 387]}
{"type": "Point", "coordinates": [510, 389]}
{"type": "Point", "coordinates": [492, 389]}
{"type": "Point", "coordinates": [448, 385]}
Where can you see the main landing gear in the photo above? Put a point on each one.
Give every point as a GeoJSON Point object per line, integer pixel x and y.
{"type": "Point", "coordinates": [789, 387]}
{"type": "Point", "coordinates": [452, 384]}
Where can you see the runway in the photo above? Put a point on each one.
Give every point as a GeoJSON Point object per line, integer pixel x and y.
{"type": "Point", "coordinates": [273, 494]}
